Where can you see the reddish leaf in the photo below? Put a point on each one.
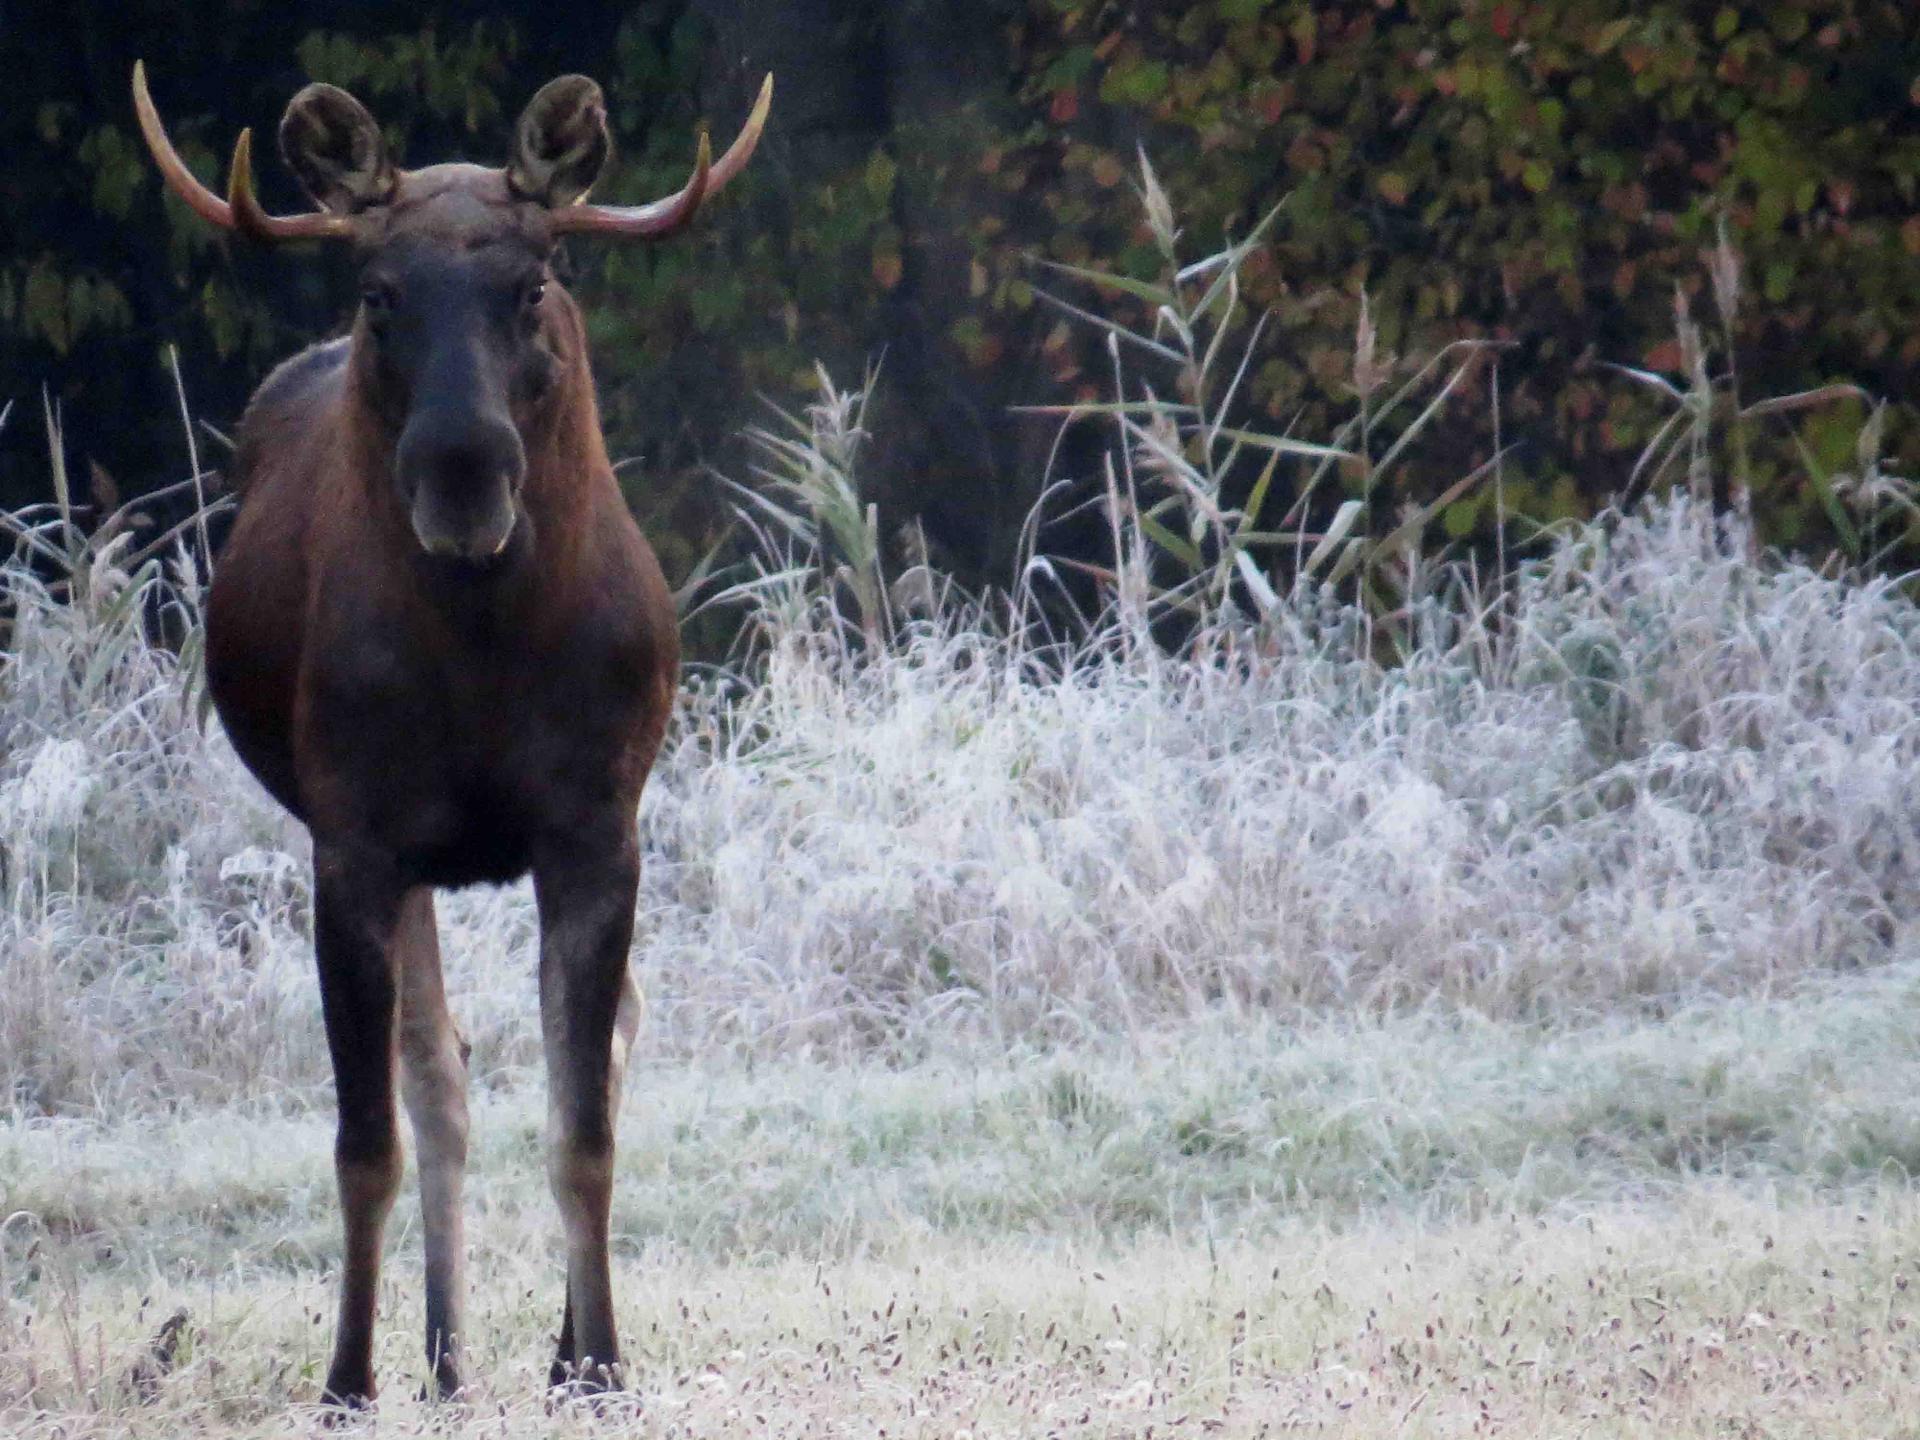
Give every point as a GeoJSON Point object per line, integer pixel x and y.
{"type": "Point", "coordinates": [1665, 357]}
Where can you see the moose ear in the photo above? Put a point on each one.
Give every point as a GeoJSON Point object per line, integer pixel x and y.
{"type": "Point", "coordinates": [330, 141]}
{"type": "Point", "coordinates": [561, 142]}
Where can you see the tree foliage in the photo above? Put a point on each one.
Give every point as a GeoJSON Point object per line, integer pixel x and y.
{"type": "Point", "coordinates": [1544, 172]}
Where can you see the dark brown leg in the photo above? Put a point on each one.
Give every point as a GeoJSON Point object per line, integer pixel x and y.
{"type": "Point", "coordinates": [589, 1010]}
{"type": "Point", "coordinates": [356, 907]}
{"type": "Point", "coordinates": [433, 1080]}
{"type": "Point", "coordinates": [626, 1026]}
{"type": "Point", "coordinates": [561, 1371]}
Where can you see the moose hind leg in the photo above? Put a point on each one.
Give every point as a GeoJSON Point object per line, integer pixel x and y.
{"type": "Point", "coordinates": [589, 1011]}
{"type": "Point", "coordinates": [356, 910]}
{"type": "Point", "coordinates": [433, 1080]}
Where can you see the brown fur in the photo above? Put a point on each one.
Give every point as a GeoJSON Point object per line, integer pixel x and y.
{"type": "Point", "coordinates": [437, 637]}
{"type": "Point", "coordinates": [439, 723]}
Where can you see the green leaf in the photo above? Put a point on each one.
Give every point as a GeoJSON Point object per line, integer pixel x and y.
{"type": "Point", "coordinates": [1106, 407]}
{"type": "Point", "coordinates": [1344, 520]}
{"type": "Point", "coordinates": [1140, 82]}
{"type": "Point", "coordinates": [1285, 445]}
{"type": "Point", "coordinates": [1611, 35]}
{"type": "Point", "coordinates": [1409, 529]}
{"type": "Point", "coordinates": [1141, 289]}
{"type": "Point", "coordinates": [1250, 512]}
{"type": "Point", "coordinates": [1459, 518]}
{"type": "Point", "coordinates": [880, 174]}
{"type": "Point", "coordinates": [1181, 550]}
{"type": "Point", "coordinates": [1829, 498]}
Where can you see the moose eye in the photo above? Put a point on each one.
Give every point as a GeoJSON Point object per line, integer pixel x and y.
{"type": "Point", "coordinates": [378, 297]}
{"type": "Point", "coordinates": [534, 294]}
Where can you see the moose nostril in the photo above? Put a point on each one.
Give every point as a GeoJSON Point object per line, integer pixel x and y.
{"type": "Point", "coordinates": [460, 467]}
{"type": "Point", "coordinates": [458, 453]}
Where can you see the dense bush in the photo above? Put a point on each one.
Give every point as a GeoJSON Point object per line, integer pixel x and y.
{"type": "Point", "coordinates": [1271, 767]}
{"type": "Point", "coordinates": [1545, 172]}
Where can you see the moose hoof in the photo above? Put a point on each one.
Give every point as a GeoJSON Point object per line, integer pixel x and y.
{"type": "Point", "coordinates": [345, 1406]}
{"type": "Point", "coordinates": [445, 1388]}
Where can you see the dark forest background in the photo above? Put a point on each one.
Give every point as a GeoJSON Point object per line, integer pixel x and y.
{"type": "Point", "coordinates": [1542, 171]}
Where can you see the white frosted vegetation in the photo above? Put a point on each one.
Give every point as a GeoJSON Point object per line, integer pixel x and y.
{"type": "Point", "coordinates": [1311, 884]}
{"type": "Point", "coordinates": [1673, 771]}
{"type": "Point", "coordinates": [1670, 771]}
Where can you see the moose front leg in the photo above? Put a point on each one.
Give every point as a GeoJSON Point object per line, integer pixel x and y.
{"type": "Point", "coordinates": [626, 1026]}
{"type": "Point", "coordinates": [356, 907]}
{"type": "Point", "coordinates": [588, 1012]}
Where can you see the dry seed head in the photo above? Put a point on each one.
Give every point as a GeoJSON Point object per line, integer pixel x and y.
{"type": "Point", "coordinates": [1693, 355]}
{"type": "Point", "coordinates": [1370, 368]}
{"type": "Point", "coordinates": [1723, 265]}
{"type": "Point", "coordinates": [1159, 208]}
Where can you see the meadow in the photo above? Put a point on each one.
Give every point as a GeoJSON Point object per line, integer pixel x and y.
{"type": "Point", "coordinates": [1410, 999]}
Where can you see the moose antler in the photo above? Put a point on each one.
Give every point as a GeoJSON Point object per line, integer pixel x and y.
{"type": "Point", "coordinates": [660, 218]}
{"type": "Point", "coordinates": [241, 209]}
{"type": "Point", "coordinates": [255, 222]}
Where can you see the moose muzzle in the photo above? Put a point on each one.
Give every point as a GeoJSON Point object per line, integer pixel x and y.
{"type": "Point", "coordinates": [460, 475]}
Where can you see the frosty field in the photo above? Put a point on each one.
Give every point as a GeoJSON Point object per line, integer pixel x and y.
{"type": "Point", "coordinates": [1699, 1227]}
{"type": "Point", "coordinates": [1516, 1036]}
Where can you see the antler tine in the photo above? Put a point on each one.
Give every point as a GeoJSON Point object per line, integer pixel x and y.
{"type": "Point", "coordinates": [662, 218]}
{"type": "Point", "coordinates": [257, 224]}
{"type": "Point", "coordinates": [173, 169]}
{"type": "Point", "coordinates": [241, 209]}
{"type": "Point", "coordinates": [653, 221]}
{"type": "Point", "coordinates": [744, 144]}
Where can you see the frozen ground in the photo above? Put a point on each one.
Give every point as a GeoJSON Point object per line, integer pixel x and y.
{"type": "Point", "coordinates": [1513, 1036]}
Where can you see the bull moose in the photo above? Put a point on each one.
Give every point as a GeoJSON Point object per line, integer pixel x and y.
{"type": "Point", "coordinates": [436, 635]}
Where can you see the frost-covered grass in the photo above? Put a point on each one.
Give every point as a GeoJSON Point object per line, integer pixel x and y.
{"type": "Point", "coordinates": [1314, 986]}
{"type": "Point", "coordinates": [1696, 1225]}
{"type": "Point", "coordinates": [1717, 1313]}
{"type": "Point", "coordinates": [1054, 1040]}
{"type": "Point", "coordinates": [1219, 1128]}
{"type": "Point", "coordinates": [1670, 772]}
{"type": "Point", "coordinates": [1284, 764]}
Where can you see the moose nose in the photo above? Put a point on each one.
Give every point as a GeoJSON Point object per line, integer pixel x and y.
{"type": "Point", "coordinates": [461, 473]}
